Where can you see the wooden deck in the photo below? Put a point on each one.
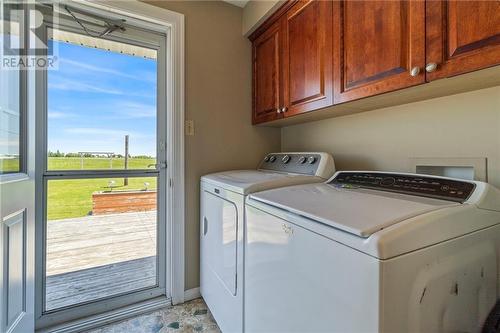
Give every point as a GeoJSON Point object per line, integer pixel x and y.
{"type": "Point", "coordinates": [97, 256]}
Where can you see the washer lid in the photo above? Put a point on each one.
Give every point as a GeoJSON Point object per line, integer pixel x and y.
{"type": "Point", "coordinates": [249, 181]}
{"type": "Point", "coordinates": [361, 212]}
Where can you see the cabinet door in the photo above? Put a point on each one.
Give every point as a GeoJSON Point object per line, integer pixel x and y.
{"type": "Point", "coordinates": [307, 57]}
{"type": "Point", "coordinates": [377, 44]}
{"type": "Point", "coordinates": [462, 36]}
{"type": "Point", "coordinates": [267, 75]}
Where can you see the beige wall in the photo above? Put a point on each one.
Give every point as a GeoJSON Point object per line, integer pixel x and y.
{"type": "Point", "coordinates": [463, 125]}
{"type": "Point", "coordinates": [256, 11]}
{"type": "Point", "coordinates": [218, 99]}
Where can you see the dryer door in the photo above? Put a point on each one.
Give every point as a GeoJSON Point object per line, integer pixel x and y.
{"type": "Point", "coordinates": [219, 230]}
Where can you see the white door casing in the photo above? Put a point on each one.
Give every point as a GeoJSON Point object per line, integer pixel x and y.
{"type": "Point", "coordinates": [171, 127]}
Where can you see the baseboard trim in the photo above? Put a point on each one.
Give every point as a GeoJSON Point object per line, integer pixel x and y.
{"type": "Point", "coordinates": [191, 294]}
{"type": "Point", "coordinates": [109, 317]}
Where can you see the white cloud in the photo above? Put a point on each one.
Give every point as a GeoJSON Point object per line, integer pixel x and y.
{"type": "Point", "coordinates": [60, 115]}
{"type": "Point", "coordinates": [107, 132]}
{"type": "Point", "coordinates": [80, 86]}
{"type": "Point", "coordinates": [9, 146]}
{"type": "Point", "coordinates": [74, 85]}
{"type": "Point", "coordinates": [144, 76]}
{"type": "Point", "coordinates": [136, 110]}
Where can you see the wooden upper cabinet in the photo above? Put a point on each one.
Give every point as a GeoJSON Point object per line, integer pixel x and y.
{"type": "Point", "coordinates": [462, 36]}
{"type": "Point", "coordinates": [311, 54]}
{"type": "Point", "coordinates": [267, 75]}
{"type": "Point", "coordinates": [307, 57]}
{"type": "Point", "coordinates": [377, 44]}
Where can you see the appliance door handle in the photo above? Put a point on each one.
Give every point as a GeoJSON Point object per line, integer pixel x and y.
{"type": "Point", "coordinates": [205, 225]}
{"type": "Point", "coordinates": [157, 166]}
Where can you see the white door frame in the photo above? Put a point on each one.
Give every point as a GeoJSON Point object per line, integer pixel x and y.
{"type": "Point", "coordinates": [172, 25]}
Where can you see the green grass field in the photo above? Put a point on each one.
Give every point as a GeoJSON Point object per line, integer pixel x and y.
{"type": "Point", "coordinates": [75, 163]}
{"type": "Point", "coordinates": [9, 165]}
{"type": "Point", "coordinates": [73, 198]}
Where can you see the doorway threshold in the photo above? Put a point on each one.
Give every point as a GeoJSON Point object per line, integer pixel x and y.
{"type": "Point", "coordinates": [95, 321]}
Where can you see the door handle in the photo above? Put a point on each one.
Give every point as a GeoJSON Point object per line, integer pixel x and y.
{"type": "Point", "coordinates": [205, 226]}
{"type": "Point", "coordinates": [161, 165]}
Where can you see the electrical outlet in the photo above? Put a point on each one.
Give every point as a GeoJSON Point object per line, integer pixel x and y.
{"type": "Point", "coordinates": [189, 127]}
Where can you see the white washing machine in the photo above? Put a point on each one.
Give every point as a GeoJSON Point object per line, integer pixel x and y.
{"type": "Point", "coordinates": [222, 225]}
{"type": "Point", "coordinates": [372, 252]}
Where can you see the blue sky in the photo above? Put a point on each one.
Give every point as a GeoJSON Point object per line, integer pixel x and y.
{"type": "Point", "coordinates": [96, 97]}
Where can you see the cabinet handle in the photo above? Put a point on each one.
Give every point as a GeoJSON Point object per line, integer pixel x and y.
{"type": "Point", "coordinates": [415, 71]}
{"type": "Point", "coordinates": [431, 67]}
{"type": "Point", "coordinates": [278, 110]}
{"type": "Point", "coordinates": [284, 109]}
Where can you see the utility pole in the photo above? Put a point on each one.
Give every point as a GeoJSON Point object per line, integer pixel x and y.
{"type": "Point", "coordinates": [125, 180]}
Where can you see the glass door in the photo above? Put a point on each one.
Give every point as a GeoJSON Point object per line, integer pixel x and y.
{"type": "Point", "coordinates": [104, 180]}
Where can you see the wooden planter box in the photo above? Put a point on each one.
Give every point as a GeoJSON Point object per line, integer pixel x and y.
{"type": "Point", "coordinates": [123, 202]}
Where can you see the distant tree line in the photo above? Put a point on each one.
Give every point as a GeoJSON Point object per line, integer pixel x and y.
{"type": "Point", "coordinates": [61, 154]}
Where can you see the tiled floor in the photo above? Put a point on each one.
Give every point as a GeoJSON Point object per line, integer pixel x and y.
{"type": "Point", "coordinates": [192, 316]}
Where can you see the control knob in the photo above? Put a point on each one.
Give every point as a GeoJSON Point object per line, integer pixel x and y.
{"type": "Point", "coordinates": [302, 160]}
{"type": "Point", "coordinates": [311, 160]}
{"type": "Point", "coordinates": [388, 181]}
{"type": "Point", "coordinates": [266, 159]}
{"type": "Point", "coordinates": [272, 158]}
{"type": "Point", "coordinates": [285, 159]}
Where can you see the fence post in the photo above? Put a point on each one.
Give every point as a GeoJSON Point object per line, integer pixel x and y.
{"type": "Point", "coordinates": [125, 180]}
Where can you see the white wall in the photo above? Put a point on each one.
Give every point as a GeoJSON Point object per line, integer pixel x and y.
{"type": "Point", "coordinates": [463, 125]}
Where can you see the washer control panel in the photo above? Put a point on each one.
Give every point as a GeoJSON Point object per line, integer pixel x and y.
{"type": "Point", "coordinates": [300, 163]}
{"type": "Point", "coordinates": [420, 185]}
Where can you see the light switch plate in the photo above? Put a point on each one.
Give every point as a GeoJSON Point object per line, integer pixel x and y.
{"type": "Point", "coordinates": [189, 127]}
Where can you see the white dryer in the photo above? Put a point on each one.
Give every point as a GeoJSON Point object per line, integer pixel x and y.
{"type": "Point", "coordinates": [372, 252]}
{"type": "Point", "coordinates": [222, 225]}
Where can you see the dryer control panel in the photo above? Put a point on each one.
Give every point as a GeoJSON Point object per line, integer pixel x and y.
{"type": "Point", "coordinates": [420, 185]}
{"type": "Point", "coordinates": [314, 164]}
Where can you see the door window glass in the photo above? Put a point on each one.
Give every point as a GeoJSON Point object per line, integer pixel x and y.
{"type": "Point", "coordinates": [10, 97]}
